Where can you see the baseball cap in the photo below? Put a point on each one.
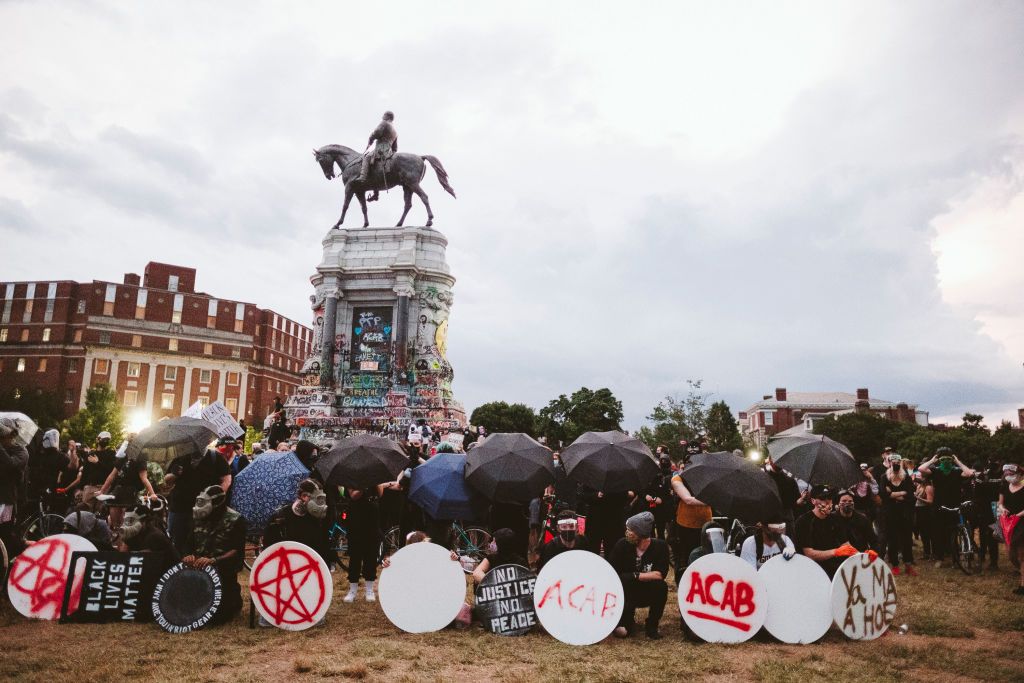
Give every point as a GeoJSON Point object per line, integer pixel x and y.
{"type": "Point", "coordinates": [822, 492]}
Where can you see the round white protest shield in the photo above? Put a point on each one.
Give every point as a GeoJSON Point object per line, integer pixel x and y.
{"type": "Point", "coordinates": [578, 598]}
{"type": "Point", "coordinates": [423, 589]}
{"type": "Point", "coordinates": [798, 593]}
{"type": "Point", "coordinates": [863, 597]}
{"type": "Point", "coordinates": [39, 576]}
{"type": "Point", "coordinates": [291, 586]}
{"type": "Point", "coordinates": [722, 599]}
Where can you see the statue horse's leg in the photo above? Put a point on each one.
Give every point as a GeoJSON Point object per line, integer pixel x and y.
{"type": "Point", "coordinates": [408, 204]}
{"type": "Point", "coordinates": [362, 203]}
{"type": "Point", "coordinates": [426, 202]}
{"type": "Point", "coordinates": [344, 207]}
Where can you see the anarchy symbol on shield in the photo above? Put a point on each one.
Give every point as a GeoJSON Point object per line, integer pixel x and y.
{"type": "Point", "coordinates": [291, 586]}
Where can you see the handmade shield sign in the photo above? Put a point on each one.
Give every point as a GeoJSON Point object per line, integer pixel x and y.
{"type": "Point", "coordinates": [863, 597]}
{"type": "Point", "coordinates": [504, 600]}
{"type": "Point", "coordinates": [722, 599]}
{"type": "Point", "coordinates": [186, 599]}
{"type": "Point", "coordinates": [115, 587]}
{"type": "Point", "coordinates": [578, 598]}
{"type": "Point", "coordinates": [798, 593]}
{"type": "Point", "coordinates": [39, 576]}
{"type": "Point", "coordinates": [423, 589]}
{"type": "Point", "coordinates": [291, 586]}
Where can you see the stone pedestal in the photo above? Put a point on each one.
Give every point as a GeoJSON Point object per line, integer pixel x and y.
{"type": "Point", "coordinates": [378, 362]}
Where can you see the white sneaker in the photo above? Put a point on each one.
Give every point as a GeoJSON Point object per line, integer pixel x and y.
{"type": "Point", "coordinates": [351, 596]}
{"type": "Point", "coordinates": [370, 596]}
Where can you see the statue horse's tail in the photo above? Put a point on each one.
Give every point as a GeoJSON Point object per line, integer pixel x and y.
{"type": "Point", "coordinates": [442, 175]}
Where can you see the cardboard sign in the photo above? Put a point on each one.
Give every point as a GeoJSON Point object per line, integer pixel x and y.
{"type": "Point", "coordinates": [504, 600]}
{"type": "Point", "coordinates": [39, 576]}
{"type": "Point", "coordinates": [578, 598]}
{"type": "Point", "coordinates": [186, 599]}
{"type": "Point", "coordinates": [218, 415]}
{"type": "Point", "coordinates": [291, 586]}
{"type": "Point", "coordinates": [423, 589]}
{"type": "Point", "coordinates": [798, 593]}
{"type": "Point", "coordinates": [863, 597]}
{"type": "Point", "coordinates": [722, 599]}
{"type": "Point", "coordinates": [115, 587]}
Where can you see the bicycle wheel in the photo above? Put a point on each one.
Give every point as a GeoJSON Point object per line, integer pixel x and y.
{"type": "Point", "coordinates": [38, 528]}
{"type": "Point", "coordinates": [471, 546]}
{"type": "Point", "coordinates": [964, 554]}
{"type": "Point", "coordinates": [339, 545]}
{"type": "Point", "coordinates": [253, 548]}
{"type": "Point", "coordinates": [391, 542]}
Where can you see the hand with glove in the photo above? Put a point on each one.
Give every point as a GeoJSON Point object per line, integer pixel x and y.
{"type": "Point", "coordinates": [626, 577]}
{"type": "Point", "coordinates": [872, 555]}
{"type": "Point", "coordinates": [62, 491]}
{"type": "Point", "coordinates": [788, 553]}
{"type": "Point", "coordinates": [845, 550]}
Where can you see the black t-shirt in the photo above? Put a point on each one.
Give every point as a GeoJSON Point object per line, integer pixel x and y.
{"type": "Point", "coordinates": [285, 525]}
{"type": "Point", "coordinates": [44, 469]}
{"type": "Point", "coordinates": [1013, 502]}
{"type": "Point", "coordinates": [555, 547]}
{"type": "Point", "coordinates": [858, 530]}
{"type": "Point", "coordinates": [96, 473]}
{"type": "Point", "coordinates": [789, 491]}
{"type": "Point", "coordinates": [625, 560]}
{"type": "Point", "coordinates": [948, 487]}
{"type": "Point", "coordinates": [192, 480]}
{"type": "Point", "coordinates": [154, 541]}
{"type": "Point", "coordinates": [886, 487]}
{"type": "Point", "coordinates": [821, 534]}
{"type": "Point", "coordinates": [129, 471]}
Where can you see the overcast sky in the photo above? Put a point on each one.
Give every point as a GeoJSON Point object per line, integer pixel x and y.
{"type": "Point", "coordinates": [821, 196]}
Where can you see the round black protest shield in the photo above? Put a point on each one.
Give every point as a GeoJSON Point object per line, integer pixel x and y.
{"type": "Point", "coordinates": [504, 600]}
{"type": "Point", "coordinates": [186, 599]}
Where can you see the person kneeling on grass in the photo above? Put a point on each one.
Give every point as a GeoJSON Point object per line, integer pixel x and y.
{"type": "Point", "coordinates": [769, 541]}
{"type": "Point", "coordinates": [642, 563]}
{"type": "Point", "coordinates": [218, 538]}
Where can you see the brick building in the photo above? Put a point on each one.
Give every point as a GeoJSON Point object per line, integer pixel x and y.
{"type": "Point", "coordinates": [160, 344]}
{"type": "Point", "coordinates": [795, 413]}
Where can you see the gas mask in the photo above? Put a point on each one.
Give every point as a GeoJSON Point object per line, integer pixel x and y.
{"type": "Point", "coordinates": [316, 506]}
{"type": "Point", "coordinates": [210, 501]}
{"type": "Point", "coordinates": [132, 525]}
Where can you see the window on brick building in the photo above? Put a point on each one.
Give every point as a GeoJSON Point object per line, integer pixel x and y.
{"type": "Point", "coordinates": [46, 334]}
{"type": "Point", "coordinates": [233, 379]}
{"type": "Point", "coordinates": [136, 340]}
{"type": "Point", "coordinates": [249, 410]}
{"type": "Point", "coordinates": [208, 349]}
{"type": "Point", "coordinates": [172, 344]}
{"type": "Point", "coordinates": [179, 303]}
{"type": "Point", "coordinates": [211, 313]}
{"type": "Point", "coordinates": [170, 373]}
{"type": "Point", "coordinates": [131, 398]}
{"type": "Point", "coordinates": [108, 300]}
{"type": "Point", "coordinates": [205, 376]}
{"type": "Point", "coordinates": [203, 401]}
{"type": "Point", "coordinates": [24, 335]}
{"type": "Point", "coordinates": [236, 352]}
{"type": "Point", "coordinates": [69, 396]}
{"type": "Point", "coordinates": [21, 365]}
{"type": "Point", "coordinates": [769, 417]}
{"type": "Point", "coordinates": [172, 283]}
{"type": "Point", "coordinates": [72, 365]}
{"type": "Point", "coordinates": [134, 369]}
{"type": "Point", "coordinates": [3, 335]}
{"type": "Point", "coordinates": [232, 405]}
{"type": "Point", "coordinates": [42, 365]}
{"type": "Point", "coordinates": [81, 306]}
{"type": "Point", "coordinates": [28, 312]}
{"type": "Point", "coordinates": [102, 366]}
{"type": "Point", "coordinates": [104, 337]}
{"type": "Point", "coordinates": [78, 336]}
{"type": "Point", "coordinates": [167, 401]}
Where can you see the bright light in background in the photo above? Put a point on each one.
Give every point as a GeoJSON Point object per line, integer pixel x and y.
{"type": "Point", "coordinates": [755, 456]}
{"type": "Point", "coordinates": [137, 422]}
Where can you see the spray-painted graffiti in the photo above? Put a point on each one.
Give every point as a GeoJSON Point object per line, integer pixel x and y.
{"type": "Point", "coordinates": [371, 339]}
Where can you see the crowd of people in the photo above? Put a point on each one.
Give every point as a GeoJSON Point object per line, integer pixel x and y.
{"type": "Point", "coordinates": [110, 498]}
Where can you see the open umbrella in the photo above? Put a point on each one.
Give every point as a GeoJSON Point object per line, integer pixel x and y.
{"type": "Point", "coordinates": [611, 462]}
{"type": "Point", "coordinates": [816, 460]}
{"type": "Point", "coordinates": [733, 486]}
{"type": "Point", "coordinates": [269, 482]}
{"type": "Point", "coordinates": [439, 487]}
{"type": "Point", "coordinates": [362, 462]}
{"type": "Point", "coordinates": [510, 468]}
{"type": "Point", "coordinates": [173, 438]}
{"type": "Point", "coordinates": [25, 426]}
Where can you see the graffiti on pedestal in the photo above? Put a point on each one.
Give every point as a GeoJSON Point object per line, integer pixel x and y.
{"type": "Point", "coordinates": [371, 339]}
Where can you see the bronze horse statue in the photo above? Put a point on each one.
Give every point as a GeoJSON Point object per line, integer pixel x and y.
{"type": "Point", "coordinates": [403, 169]}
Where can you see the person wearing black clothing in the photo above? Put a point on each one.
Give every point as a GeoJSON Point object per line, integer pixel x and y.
{"type": "Point", "coordinates": [948, 477]}
{"type": "Point", "coordinates": [857, 527]}
{"type": "Point", "coordinates": [142, 533]}
{"type": "Point", "coordinates": [985, 492]}
{"type": "Point", "coordinates": [657, 498]}
{"type": "Point", "coordinates": [897, 492]}
{"type": "Point", "coordinates": [565, 489]}
{"type": "Point", "coordinates": [642, 564]}
{"type": "Point", "coordinates": [567, 539]}
{"type": "Point", "coordinates": [502, 550]}
{"type": "Point", "coordinates": [606, 513]}
{"type": "Point", "coordinates": [363, 524]}
{"type": "Point", "coordinates": [1011, 504]}
{"type": "Point", "coordinates": [820, 534]}
{"type": "Point", "coordinates": [45, 467]}
{"type": "Point", "coordinates": [126, 480]}
{"type": "Point", "coordinates": [279, 430]}
{"type": "Point", "coordinates": [304, 520]}
{"type": "Point", "coordinates": [85, 524]}
{"type": "Point", "coordinates": [218, 538]}
{"type": "Point", "coordinates": [789, 491]}
{"type": "Point", "coordinates": [96, 467]}
{"type": "Point", "coordinates": [515, 517]}
{"type": "Point", "coordinates": [189, 477]}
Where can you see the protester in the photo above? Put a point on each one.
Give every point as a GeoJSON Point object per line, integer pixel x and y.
{"type": "Point", "coordinates": [568, 538]}
{"type": "Point", "coordinates": [303, 520]}
{"type": "Point", "coordinates": [897, 493]}
{"type": "Point", "coordinates": [865, 493]}
{"type": "Point", "coordinates": [856, 526]}
{"type": "Point", "coordinates": [984, 493]}
{"type": "Point", "coordinates": [820, 535]}
{"type": "Point", "coordinates": [128, 478]}
{"type": "Point", "coordinates": [96, 467]}
{"type": "Point", "coordinates": [85, 524]}
{"type": "Point", "coordinates": [642, 564]}
{"type": "Point", "coordinates": [307, 452]}
{"type": "Point", "coordinates": [503, 549]}
{"type": "Point", "coordinates": [1010, 511]}
{"type": "Point", "coordinates": [363, 524]}
{"type": "Point", "coordinates": [924, 499]}
{"type": "Point", "coordinates": [691, 516]}
{"type": "Point", "coordinates": [44, 469]}
{"type": "Point", "coordinates": [67, 480]}
{"type": "Point", "coordinates": [658, 496]}
{"type": "Point", "coordinates": [789, 492]}
{"type": "Point", "coordinates": [948, 477]}
{"type": "Point", "coordinates": [142, 531]}
{"type": "Point", "coordinates": [217, 538]}
{"type": "Point", "coordinates": [240, 461]}
{"type": "Point", "coordinates": [189, 476]}
{"type": "Point", "coordinates": [515, 517]}
{"type": "Point", "coordinates": [770, 540]}
{"type": "Point", "coordinates": [279, 429]}
{"type": "Point", "coordinates": [13, 461]}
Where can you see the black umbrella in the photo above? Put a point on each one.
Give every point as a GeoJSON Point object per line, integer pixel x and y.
{"type": "Point", "coordinates": [362, 462]}
{"type": "Point", "coordinates": [816, 460]}
{"type": "Point", "coordinates": [611, 462]}
{"type": "Point", "coordinates": [169, 439]}
{"type": "Point", "coordinates": [733, 486]}
{"type": "Point", "coordinates": [510, 468]}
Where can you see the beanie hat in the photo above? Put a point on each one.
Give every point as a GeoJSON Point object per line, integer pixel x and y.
{"type": "Point", "coordinates": [641, 524]}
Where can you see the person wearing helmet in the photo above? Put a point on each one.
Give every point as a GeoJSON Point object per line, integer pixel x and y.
{"type": "Point", "coordinates": [142, 531]}
{"type": "Point", "coordinates": [949, 476]}
{"type": "Point", "coordinates": [44, 468]}
{"type": "Point", "coordinates": [85, 524]}
{"type": "Point", "coordinates": [217, 539]}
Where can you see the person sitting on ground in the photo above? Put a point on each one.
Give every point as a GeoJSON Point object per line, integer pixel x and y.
{"type": "Point", "coordinates": [217, 539]}
{"type": "Point", "coordinates": [642, 564]}
{"type": "Point", "coordinates": [304, 520]}
{"type": "Point", "coordinates": [858, 528]}
{"type": "Point", "coordinates": [143, 532]}
{"type": "Point", "coordinates": [820, 534]}
{"type": "Point", "coordinates": [769, 541]}
{"type": "Point", "coordinates": [87, 525]}
{"type": "Point", "coordinates": [501, 550]}
{"type": "Point", "coordinates": [567, 539]}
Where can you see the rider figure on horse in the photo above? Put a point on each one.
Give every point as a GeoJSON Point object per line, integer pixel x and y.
{"type": "Point", "coordinates": [386, 138]}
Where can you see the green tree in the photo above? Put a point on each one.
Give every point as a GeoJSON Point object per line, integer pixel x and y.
{"type": "Point", "coordinates": [867, 434]}
{"type": "Point", "coordinates": [563, 419]}
{"type": "Point", "coordinates": [973, 424]}
{"type": "Point", "coordinates": [676, 419]}
{"type": "Point", "coordinates": [102, 413]}
{"type": "Point", "coordinates": [43, 407]}
{"type": "Point", "coordinates": [723, 431]}
{"type": "Point", "coordinates": [499, 416]}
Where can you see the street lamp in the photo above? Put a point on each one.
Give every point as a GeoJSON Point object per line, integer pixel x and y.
{"type": "Point", "coordinates": [755, 455]}
{"type": "Point", "coordinates": [138, 421]}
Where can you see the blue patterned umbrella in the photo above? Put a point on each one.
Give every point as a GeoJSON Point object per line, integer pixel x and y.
{"type": "Point", "coordinates": [439, 487]}
{"type": "Point", "coordinates": [268, 483]}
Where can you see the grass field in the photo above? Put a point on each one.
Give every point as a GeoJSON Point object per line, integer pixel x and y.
{"type": "Point", "coordinates": [960, 628]}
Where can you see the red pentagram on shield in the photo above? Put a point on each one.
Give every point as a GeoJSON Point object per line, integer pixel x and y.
{"type": "Point", "coordinates": [280, 583]}
{"type": "Point", "coordinates": [41, 573]}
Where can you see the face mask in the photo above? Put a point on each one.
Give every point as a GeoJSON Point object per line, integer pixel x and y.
{"type": "Point", "coordinates": [206, 504]}
{"type": "Point", "coordinates": [1013, 479]}
{"type": "Point", "coordinates": [300, 507]}
{"type": "Point", "coordinates": [317, 505]}
{"type": "Point", "coordinates": [567, 536]}
{"type": "Point", "coordinates": [846, 508]}
{"type": "Point", "coordinates": [132, 525]}
{"type": "Point", "coordinates": [946, 465]}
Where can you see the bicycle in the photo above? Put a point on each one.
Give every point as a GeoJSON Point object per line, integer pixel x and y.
{"type": "Point", "coordinates": [469, 543]}
{"type": "Point", "coordinates": [41, 525]}
{"type": "Point", "coordinates": [961, 540]}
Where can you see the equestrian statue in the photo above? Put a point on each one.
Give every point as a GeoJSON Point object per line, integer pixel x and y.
{"type": "Point", "coordinates": [380, 167]}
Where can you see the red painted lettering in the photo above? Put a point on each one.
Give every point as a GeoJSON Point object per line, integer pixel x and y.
{"type": "Point", "coordinates": [711, 581]}
{"type": "Point", "coordinates": [696, 588]}
{"type": "Point", "coordinates": [744, 600]}
{"type": "Point", "coordinates": [592, 599]}
{"type": "Point", "coordinates": [572, 593]}
{"type": "Point", "coordinates": [729, 597]}
{"type": "Point", "coordinates": [556, 589]}
{"type": "Point", "coordinates": [606, 606]}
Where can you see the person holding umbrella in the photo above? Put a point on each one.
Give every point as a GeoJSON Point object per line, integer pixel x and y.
{"type": "Point", "coordinates": [691, 516]}
{"type": "Point", "coordinates": [363, 523]}
{"type": "Point", "coordinates": [189, 476]}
